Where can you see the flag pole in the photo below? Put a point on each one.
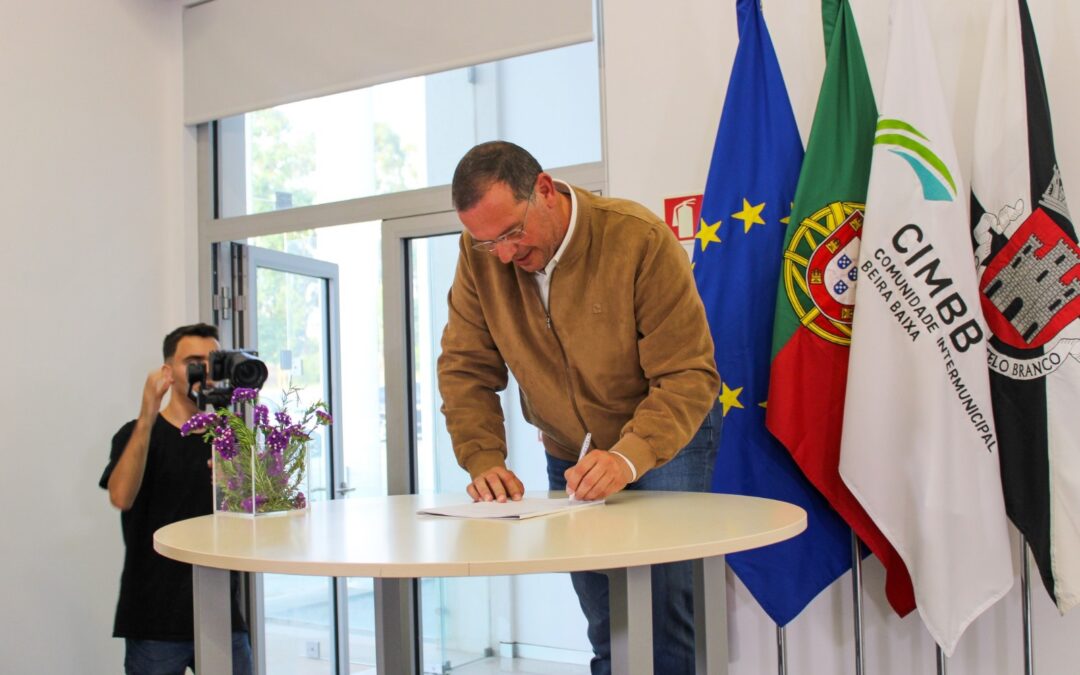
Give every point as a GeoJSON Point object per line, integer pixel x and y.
{"type": "Point", "coordinates": [942, 668]}
{"type": "Point", "coordinates": [1025, 605]}
{"type": "Point", "coordinates": [856, 600]}
{"type": "Point", "coordinates": [781, 650]}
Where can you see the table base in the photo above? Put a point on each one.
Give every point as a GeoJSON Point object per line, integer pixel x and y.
{"type": "Point", "coordinates": [630, 594]}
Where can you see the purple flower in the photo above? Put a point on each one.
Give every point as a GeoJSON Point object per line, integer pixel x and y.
{"type": "Point", "coordinates": [276, 465]}
{"type": "Point", "coordinates": [283, 418]}
{"type": "Point", "coordinates": [262, 415]}
{"type": "Point", "coordinates": [277, 441]}
{"type": "Point", "coordinates": [225, 444]}
{"type": "Point", "coordinates": [246, 504]}
{"type": "Point", "coordinates": [296, 431]}
{"type": "Point", "coordinates": [323, 417]}
{"type": "Point", "coordinates": [233, 483]}
{"type": "Point", "coordinates": [300, 501]}
{"type": "Point", "coordinates": [198, 422]}
{"type": "Point", "coordinates": [244, 394]}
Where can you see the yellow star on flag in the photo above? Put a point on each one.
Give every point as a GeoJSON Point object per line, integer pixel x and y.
{"type": "Point", "coordinates": [707, 233]}
{"type": "Point", "coordinates": [787, 219]}
{"type": "Point", "coordinates": [729, 398]}
{"type": "Point", "coordinates": [750, 215]}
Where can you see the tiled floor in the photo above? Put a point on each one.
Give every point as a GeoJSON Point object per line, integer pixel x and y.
{"type": "Point", "coordinates": [497, 666]}
{"type": "Point", "coordinates": [299, 641]}
{"type": "Point", "coordinates": [285, 649]}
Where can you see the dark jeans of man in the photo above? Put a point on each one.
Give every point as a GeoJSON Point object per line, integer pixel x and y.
{"type": "Point", "coordinates": [672, 584]}
{"type": "Point", "coordinates": [172, 657]}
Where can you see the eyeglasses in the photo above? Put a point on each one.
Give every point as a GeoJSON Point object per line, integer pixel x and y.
{"type": "Point", "coordinates": [512, 237]}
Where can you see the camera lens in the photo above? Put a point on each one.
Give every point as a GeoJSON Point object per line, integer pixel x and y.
{"type": "Point", "coordinates": [250, 373]}
{"type": "Point", "coordinates": [239, 368]}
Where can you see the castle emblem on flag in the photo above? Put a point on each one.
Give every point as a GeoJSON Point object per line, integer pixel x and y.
{"type": "Point", "coordinates": [1031, 288]}
{"type": "Point", "coordinates": [821, 271]}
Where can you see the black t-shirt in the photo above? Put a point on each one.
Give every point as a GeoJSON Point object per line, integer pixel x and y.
{"type": "Point", "coordinates": [156, 592]}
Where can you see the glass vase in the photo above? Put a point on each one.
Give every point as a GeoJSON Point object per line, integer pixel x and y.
{"type": "Point", "coordinates": [255, 480]}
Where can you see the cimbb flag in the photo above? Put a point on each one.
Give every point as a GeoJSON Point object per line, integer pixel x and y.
{"type": "Point", "coordinates": [1029, 274]}
{"type": "Point", "coordinates": [919, 450]}
{"type": "Point", "coordinates": [816, 294]}
{"type": "Point", "coordinates": [755, 166]}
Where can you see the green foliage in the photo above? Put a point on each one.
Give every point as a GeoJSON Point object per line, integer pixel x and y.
{"type": "Point", "coordinates": [280, 161]}
{"type": "Point", "coordinates": [393, 170]}
{"type": "Point", "coordinates": [290, 308]}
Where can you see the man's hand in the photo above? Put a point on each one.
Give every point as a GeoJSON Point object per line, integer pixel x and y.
{"type": "Point", "coordinates": [157, 383]}
{"type": "Point", "coordinates": [496, 484]}
{"type": "Point", "coordinates": [598, 475]}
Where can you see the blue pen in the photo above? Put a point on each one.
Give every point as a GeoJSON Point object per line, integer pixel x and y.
{"type": "Point", "coordinates": [581, 455]}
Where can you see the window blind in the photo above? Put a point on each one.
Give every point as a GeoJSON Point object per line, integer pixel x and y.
{"type": "Point", "coordinates": [245, 55]}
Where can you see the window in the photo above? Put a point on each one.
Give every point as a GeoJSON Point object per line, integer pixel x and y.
{"type": "Point", "coordinates": [409, 134]}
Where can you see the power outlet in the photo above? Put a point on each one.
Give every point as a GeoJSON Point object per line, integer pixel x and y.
{"type": "Point", "coordinates": [312, 649]}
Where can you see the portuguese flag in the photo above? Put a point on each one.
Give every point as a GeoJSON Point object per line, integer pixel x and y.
{"type": "Point", "coordinates": [816, 293]}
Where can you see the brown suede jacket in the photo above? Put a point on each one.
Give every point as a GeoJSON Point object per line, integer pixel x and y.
{"type": "Point", "coordinates": [624, 350]}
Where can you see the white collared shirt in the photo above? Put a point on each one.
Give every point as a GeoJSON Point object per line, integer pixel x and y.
{"type": "Point", "coordinates": [543, 277]}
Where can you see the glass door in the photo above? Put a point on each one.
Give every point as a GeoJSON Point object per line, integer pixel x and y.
{"type": "Point", "coordinates": [288, 313]}
{"type": "Point", "coordinates": [455, 621]}
{"type": "Point", "coordinates": [464, 620]}
{"type": "Point", "coordinates": [290, 284]}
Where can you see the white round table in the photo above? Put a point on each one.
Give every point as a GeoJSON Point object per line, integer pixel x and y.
{"type": "Point", "coordinates": [384, 538]}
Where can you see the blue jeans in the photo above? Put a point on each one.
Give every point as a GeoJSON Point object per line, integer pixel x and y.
{"type": "Point", "coordinates": [172, 657]}
{"type": "Point", "coordinates": [673, 583]}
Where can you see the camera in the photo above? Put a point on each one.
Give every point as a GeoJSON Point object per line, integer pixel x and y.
{"type": "Point", "coordinates": [229, 370]}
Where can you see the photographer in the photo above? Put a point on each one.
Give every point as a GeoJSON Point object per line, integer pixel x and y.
{"type": "Point", "coordinates": [156, 477]}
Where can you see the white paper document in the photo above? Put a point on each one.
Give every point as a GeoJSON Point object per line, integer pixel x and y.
{"type": "Point", "coordinates": [529, 507]}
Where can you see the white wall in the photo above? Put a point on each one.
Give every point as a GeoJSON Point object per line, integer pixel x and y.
{"type": "Point", "coordinates": [666, 76]}
{"type": "Point", "coordinates": [98, 262]}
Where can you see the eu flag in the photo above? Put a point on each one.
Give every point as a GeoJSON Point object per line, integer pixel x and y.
{"type": "Point", "coordinates": [748, 197]}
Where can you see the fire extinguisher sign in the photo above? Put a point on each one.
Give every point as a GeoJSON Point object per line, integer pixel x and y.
{"type": "Point", "coordinates": [682, 214]}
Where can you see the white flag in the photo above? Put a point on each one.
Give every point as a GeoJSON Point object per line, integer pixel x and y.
{"type": "Point", "coordinates": [919, 449]}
